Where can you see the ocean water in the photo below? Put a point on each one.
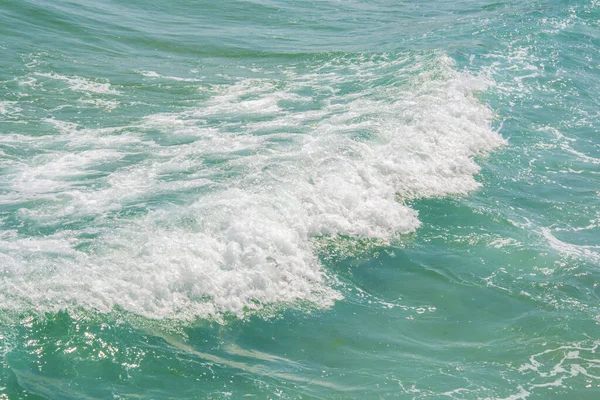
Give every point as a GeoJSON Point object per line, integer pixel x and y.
{"type": "Point", "coordinates": [279, 199]}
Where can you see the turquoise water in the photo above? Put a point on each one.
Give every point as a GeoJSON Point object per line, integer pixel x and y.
{"type": "Point", "coordinates": [299, 200]}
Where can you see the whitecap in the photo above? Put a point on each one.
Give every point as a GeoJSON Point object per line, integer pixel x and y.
{"type": "Point", "coordinates": [230, 213]}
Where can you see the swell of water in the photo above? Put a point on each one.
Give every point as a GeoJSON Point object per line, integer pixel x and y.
{"type": "Point", "coordinates": [250, 174]}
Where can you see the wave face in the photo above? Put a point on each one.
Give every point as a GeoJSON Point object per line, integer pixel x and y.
{"type": "Point", "coordinates": [211, 207]}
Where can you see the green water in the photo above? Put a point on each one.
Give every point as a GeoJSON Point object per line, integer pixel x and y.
{"type": "Point", "coordinates": [299, 200]}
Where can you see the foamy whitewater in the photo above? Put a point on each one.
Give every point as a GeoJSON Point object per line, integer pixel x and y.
{"type": "Point", "coordinates": [299, 200]}
{"type": "Point", "coordinates": [279, 165]}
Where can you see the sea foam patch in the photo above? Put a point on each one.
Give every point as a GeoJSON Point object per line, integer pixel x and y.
{"type": "Point", "coordinates": [81, 84]}
{"type": "Point", "coordinates": [212, 208]}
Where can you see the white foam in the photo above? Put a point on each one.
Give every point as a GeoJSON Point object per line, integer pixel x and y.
{"type": "Point", "coordinates": [564, 142]}
{"type": "Point", "coordinates": [153, 74]}
{"type": "Point", "coordinates": [8, 107]}
{"type": "Point", "coordinates": [54, 173]}
{"type": "Point", "coordinates": [554, 367]}
{"type": "Point", "coordinates": [246, 97]}
{"type": "Point", "coordinates": [80, 84]}
{"type": "Point", "coordinates": [108, 105]}
{"type": "Point", "coordinates": [591, 253]}
{"type": "Point", "coordinates": [254, 194]}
